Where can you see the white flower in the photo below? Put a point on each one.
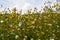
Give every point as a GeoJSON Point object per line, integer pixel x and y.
{"type": "Point", "coordinates": [58, 26]}
{"type": "Point", "coordinates": [1, 34]}
{"type": "Point", "coordinates": [19, 24]}
{"type": "Point", "coordinates": [1, 21]}
{"type": "Point", "coordinates": [16, 36]}
{"type": "Point", "coordinates": [50, 24]}
{"type": "Point", "coordinates": [51, 39]}
{"type": "Point", "coordinates": [38, 39]}
{"type": "Point", "coordinates": [35, 19]}
{"type": "Point", "coordinates": [45, 17]}
{"type": "Point", "coordinates": [11, 25]}
{"type": "Point", "coordinates": [33, 26]}
{"type": "Point", "coordinates": [25, 36]}
{"type": "Point", "coordinates": [54, 21]}
{"type": "Point", "coordinates": [18, 29]}
{"type": "Point", "coordinates": [32, 39]}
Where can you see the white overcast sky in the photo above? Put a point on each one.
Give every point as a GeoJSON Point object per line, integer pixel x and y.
{"type": "Point", "coordinates": [22, 4]}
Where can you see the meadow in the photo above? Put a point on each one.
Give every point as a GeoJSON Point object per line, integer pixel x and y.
{"type": "Point", "coordinates": [30, 26]}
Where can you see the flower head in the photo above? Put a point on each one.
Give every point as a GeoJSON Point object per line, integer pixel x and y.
{"type": "Point", "coordinates": [16, 36]}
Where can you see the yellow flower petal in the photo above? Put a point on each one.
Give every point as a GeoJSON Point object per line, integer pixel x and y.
{"type": "Point", "coordinates": [42, 33]}
{"type": "Point", "coordinates": [33, 22]}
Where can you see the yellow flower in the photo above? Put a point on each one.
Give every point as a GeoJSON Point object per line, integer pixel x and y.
{"type": "Point", "coordinates": [53, 31]}
{"type": "Point", "coordinates": [26, 16]}
{"type": "Point", "coordinates": [40, 27]}
{"type": "Point", "coordinates": [13, 30]}
{"type": "Point", "coordinates": [23, 29]}
{"type": "Point", "coordinates": [16, 27]}
{"type": "Point", "coordinates": [0, 12]}
{"type": "Point", "coordinates": [33, 22]}
{"type": "Point", "coordinates": [10, 17]}
{"type": "Point", "coordinates": [28, 27]}
{"type": "Point", "coordinates": [46, 38]}
{"type": "Point", "coordinates": [45, 20]}
{"type": "Point", "coordinates": [27, 23]}
{"type": "Point", "coordinates": [42, 33]}
{"type": "Point", "coordinates": [14, 14]}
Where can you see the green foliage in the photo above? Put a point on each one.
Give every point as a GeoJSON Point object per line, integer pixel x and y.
{"type": "Point", "coordinates": [35, 26]}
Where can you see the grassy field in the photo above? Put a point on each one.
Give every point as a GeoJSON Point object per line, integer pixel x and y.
{"type": "Point", "coordinates": [35, 26]}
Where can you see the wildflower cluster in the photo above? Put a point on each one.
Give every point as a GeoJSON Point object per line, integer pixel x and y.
{"type": "Point", "coordinates": [34, 26]}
